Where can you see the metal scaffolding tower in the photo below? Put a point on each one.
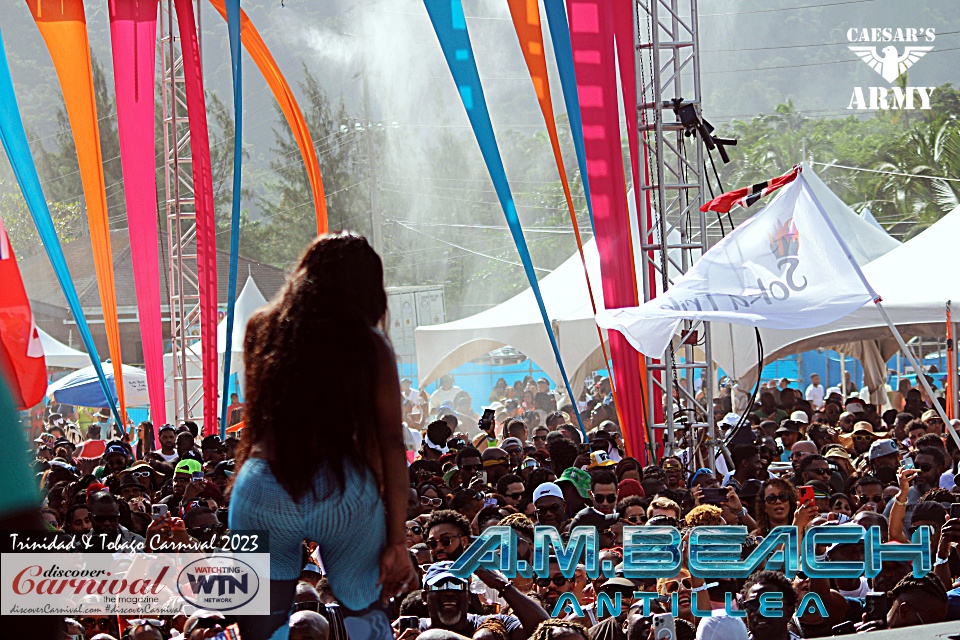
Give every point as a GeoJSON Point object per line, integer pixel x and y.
{"type": "Point", "coordinates": [183, 283]}
{"type": "Point", "coordinates": [673, 231]}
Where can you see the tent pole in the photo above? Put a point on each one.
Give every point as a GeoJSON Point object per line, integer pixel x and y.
{"type": "Point", "coordinates": [921, 378]}
{"type": "Point", "coordinates": [843, 377]}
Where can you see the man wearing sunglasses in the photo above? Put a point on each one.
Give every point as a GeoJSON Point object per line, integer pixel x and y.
{"type": "Point", "coordinates": [552, 587]}
{"type": "Point", "coordinates": [105, 517]}
{"type": "Point", "coordinates": [511, 488]}
{"type": "Point", "coordinates": [550, 505]}
{"type": "Point", "coordinates": [603, 490]}
{"type": "Point", "coordinates": [448, 535]}
{"type": "Point", "coordinates": [447, 596]}
{"type": "Point", "coordinates": [867, 490]}
{"type": "Point", "coordinates": [202, 524]}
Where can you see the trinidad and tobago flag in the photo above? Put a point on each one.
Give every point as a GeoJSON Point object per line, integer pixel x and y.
{"type": "Point", "coordinates": [748, 195]}
{"type": "Point", "coordinates": [21, 356]}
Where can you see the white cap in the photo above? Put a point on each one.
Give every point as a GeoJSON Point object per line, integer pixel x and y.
{"type": "Point", "coordinates": [731, 420]}
{"type": "Point", "coordinates": [547, 489]}
{"type": "Point", "coordinates": [800, 416]}
{"type": "Point", "coordinates": [721, 628]}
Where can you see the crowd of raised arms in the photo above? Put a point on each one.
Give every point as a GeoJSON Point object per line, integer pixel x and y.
{"type": "Point", "coordinates": [524, 462]}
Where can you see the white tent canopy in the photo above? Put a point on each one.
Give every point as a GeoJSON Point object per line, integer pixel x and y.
{"type": "Point", "coordinates": [58, 354]}
{"type": "Point", "coordinates": [249, 300]}
{"type": "Point", "coordinates": [517, 323]}
{"type": "Point", "coordinates": [915, 299]}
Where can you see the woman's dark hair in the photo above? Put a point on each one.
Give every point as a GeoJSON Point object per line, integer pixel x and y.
{"type": "Point", "coordinates": [317, 331]}
{"type": "Point", "coordinates": [145, 444]}
{"type": "Point", "coordinates": [763, 521]}
{"type": "Point", "coordinates": [628, 464]}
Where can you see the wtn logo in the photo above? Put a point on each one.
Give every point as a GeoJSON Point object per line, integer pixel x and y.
{"type": "Point", "coordinates": [205, 585]}
{"type": "Point", "coordinates": [890, 64]}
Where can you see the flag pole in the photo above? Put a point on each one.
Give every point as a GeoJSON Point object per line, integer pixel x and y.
{"type": "Point", "coordinates": [921, 378]}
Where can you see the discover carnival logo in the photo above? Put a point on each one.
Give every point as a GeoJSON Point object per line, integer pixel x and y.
{"type": "Point", "coordinates": [890, 52]}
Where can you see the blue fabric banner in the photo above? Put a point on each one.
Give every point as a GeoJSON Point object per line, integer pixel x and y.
{"type": "Point", "coordinates": [563, 52]}
{"type": "Point", "coordinates": [450, 26]}
{"type": "Point", "coordinates": [14, 140]}
{"type": "Point", "coordinates": [233, 27]}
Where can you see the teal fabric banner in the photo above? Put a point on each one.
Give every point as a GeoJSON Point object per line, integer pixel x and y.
{"type": "Point", "coordinates": [450, 26]}
{"type": "Point", "coordinates": [14, 140]}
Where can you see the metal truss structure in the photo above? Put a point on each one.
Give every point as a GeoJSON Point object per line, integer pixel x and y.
{"type": "Point", "coordinates": [183, 284]}
{"type": "Point", "coordinates": [673, 231]}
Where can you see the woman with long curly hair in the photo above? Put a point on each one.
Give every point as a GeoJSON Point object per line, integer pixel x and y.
{"type": "Point", "coordinates": [320, 476]}
{"type": "Point", "coordinates": [776, 504]}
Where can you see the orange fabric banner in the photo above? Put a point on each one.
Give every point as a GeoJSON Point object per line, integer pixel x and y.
{"type": "Point", "coordinates": [63, 25]}
{"type": "Point", "coordinates": [526, 22]}
{"type": "Point", "coordinates": [258, 51]}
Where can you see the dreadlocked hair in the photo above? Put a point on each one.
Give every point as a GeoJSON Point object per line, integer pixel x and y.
{"type": "Point", "coordinates": [548, 628]}
{"type": "Point", "coordinates": [319, 330]}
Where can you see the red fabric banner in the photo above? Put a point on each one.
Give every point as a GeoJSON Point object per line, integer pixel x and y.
{"type": "Point", "coordinates": [21, 356]}
{"type": "Point", "coordinates": [592, 38]}
{"type": "Point", "coordinates": [203, 198]}
{"type": "Point", "coordinates": [133, 36]}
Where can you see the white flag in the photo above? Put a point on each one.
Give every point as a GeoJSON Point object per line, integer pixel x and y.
{"type": "Point", "coordinates": [784, 268]}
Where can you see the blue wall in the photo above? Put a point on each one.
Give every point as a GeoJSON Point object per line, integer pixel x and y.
{"type": "Point", "coordinates": [478, 379]}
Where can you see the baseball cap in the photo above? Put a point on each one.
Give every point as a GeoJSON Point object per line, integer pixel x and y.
{"type": "Point", "coordinates": [166, 427]}
{"type": "Point", "coordinates": [882, 448]}
{"type": "Point", "coordinates": [600, 459]}
{"type": "Point", "coordinates": [579, 478]}
{"type": "Point", "coordinates": [211, 442]}
{"type": "Point", "coordinates": [114, 448]}
{"type": "Point", "coordinates": [788, 426]}
{"type": "Point", "coordinates": [546, 489]}
{"type": "Point", "coordinates": [439, 575]}
{"type": "Point", "coordinates": [721, 628]}
{"type": "Point", "coordinates": [511, 441]}
{"type": "Point", "coordinates": [731, 419]}
{"type": "Point", "coordinates": [800, 416]}
{"type": "Point", "coordinates": [854, 406]}
{"type": "Point", "coordinates": [188, 465]}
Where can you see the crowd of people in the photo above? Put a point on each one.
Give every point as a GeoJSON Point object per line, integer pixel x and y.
{"type": "Point", "coordinates": [362, 544]}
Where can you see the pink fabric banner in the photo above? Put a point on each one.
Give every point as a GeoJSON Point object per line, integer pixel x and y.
{"type": "Point", "coordinates": [133, 36]}
{"type": "Point", "coordinates": [592, 38]}
{"type": "Point", "coordinates": [203, 197]}
{"type": "Point", "coordinates": [623, 30]}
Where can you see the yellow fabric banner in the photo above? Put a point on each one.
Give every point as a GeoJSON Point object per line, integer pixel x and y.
{"type": "Point", "coordinates": [258, 51]}
{"type": "Point", "coordinates": [63, 25]}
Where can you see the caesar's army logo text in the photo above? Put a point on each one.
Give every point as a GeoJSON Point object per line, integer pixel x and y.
{"type": "Point", "coordinates": [890, 52]}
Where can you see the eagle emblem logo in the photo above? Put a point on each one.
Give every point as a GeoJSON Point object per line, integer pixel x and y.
{"type": "Point", "coordinates": [891, 65]}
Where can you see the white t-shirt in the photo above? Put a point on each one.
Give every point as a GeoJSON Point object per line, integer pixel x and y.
{"type": "Point", "coordinates": [172, 458]}
{"type": "Point", "coordinates": [815, 394]}
{"type": "Point", "coordinates": [440, 396]}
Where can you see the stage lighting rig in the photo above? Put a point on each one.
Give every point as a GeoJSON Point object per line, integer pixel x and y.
{"type": "Point", "coordinates": [693, 123]}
